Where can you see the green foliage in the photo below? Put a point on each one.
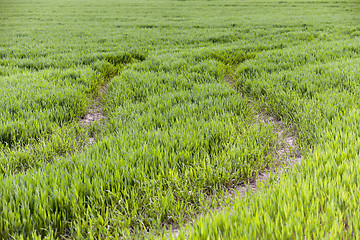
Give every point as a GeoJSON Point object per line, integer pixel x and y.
{"type": "Point", "coordinates": [175, 136]}
{"type": "Point", "coordinates": [316, 87]}
{"type": "Point", "coordinates": [169, 140]}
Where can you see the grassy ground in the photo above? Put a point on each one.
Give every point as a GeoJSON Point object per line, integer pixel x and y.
{"type": "Point", "coordinates": [175, 135]}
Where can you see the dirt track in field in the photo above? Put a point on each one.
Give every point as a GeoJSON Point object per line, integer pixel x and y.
{"type": "Point", "coordinates": [95, 113]}
{"type": "Point", "coordinates": [286, 154]}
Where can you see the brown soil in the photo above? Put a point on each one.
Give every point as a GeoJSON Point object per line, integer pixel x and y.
{"type": "Point", "coordinates": [95, 113]}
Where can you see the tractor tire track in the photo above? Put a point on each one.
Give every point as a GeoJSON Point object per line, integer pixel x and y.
{"type": "Point", "coordinates": [286, 154]}
{"type": "Point", "coordinates": [95, 113]}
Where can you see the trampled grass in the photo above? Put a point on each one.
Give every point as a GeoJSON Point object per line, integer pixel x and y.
{"type": "Point", "coordinates": [176, 136]}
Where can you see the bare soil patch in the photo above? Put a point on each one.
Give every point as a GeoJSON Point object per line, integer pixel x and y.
{"type": "Point", "coordinates": [95, 113]}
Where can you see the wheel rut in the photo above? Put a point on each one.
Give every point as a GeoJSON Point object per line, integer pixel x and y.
{"type": "Point", "coordinates": [286, 154]}
{"type": "Point", "coordinates": [95, 113]}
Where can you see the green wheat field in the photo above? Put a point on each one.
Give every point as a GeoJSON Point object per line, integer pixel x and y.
{"type": "Point", "coordinates": [175, 138]}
